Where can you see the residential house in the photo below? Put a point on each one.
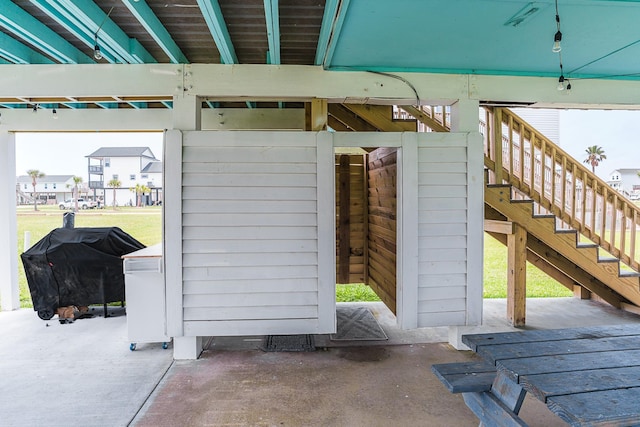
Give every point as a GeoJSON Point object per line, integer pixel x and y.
{"type": "Point", "coordinates": [626, 181]}
{"type": "Point", "coordinates": [131, 166]}
{"type": "Point", "coordinates": [50, 189]}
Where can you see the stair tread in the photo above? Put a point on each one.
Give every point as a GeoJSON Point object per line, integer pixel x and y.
{"type": "Point", "coordinates": [586, 245]}
{"type": "Point", "coordinates": [607, 259]}
{"type": "Point", "coordinates": [565, 231]}
{"type": "Point", "coordinates": [627, 273]}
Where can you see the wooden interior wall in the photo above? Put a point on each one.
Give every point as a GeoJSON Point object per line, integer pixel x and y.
{"type": "Point", "coordinates": [350, 218]}
{"type": "Point", "coordinates": [381, 251]}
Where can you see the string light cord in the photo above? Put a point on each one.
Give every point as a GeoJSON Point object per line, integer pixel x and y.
{"type": "Point", "coordinates": [97, 54]}
{"type": "Point", "coordinates": [605, 56]}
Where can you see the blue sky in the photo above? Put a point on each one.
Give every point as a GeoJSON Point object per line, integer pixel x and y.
{"type": "Point", "coordinates": [64, 153]}
{"type": "Point", "coordinates": [617, 132]}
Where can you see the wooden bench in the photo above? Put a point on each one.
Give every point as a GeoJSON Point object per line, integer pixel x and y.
{"type": "Point", "coordinates": [465, 377]}
{"type": "Point", "coordinates": [475, 380]}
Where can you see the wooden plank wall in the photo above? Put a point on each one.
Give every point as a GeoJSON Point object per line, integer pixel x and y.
{"type": "Point", "coordinates": [382, 233]}
{"type": "Point", "coordinates": [250, 233]}
{"type": "Point", "coordinates": [350, 218]}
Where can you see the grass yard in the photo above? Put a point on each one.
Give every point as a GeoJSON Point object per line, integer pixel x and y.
{"type": "Point", "coordinates": [495, 275]}
{"type": "Point", "coordinates": [145, 225]}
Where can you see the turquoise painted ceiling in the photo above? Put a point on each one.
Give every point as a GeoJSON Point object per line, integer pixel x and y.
{"type": "Point", "coordinates": [600, 38]}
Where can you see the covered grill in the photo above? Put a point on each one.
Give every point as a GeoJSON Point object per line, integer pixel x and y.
{"type": "Point", "coordinates": [77, 266]}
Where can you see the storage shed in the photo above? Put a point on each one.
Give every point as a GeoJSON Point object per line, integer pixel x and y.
{"type": "Point", "coordinates": [267, 228]}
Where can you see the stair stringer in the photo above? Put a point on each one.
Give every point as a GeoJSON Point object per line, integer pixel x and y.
{"type": "Point", "coordinates": [556, 266]}
{"type": "Point", "coordinates": [563, 241]}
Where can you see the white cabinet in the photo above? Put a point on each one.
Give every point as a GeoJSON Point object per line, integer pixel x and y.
{"type": "Point", "coordinates": [145, 296]}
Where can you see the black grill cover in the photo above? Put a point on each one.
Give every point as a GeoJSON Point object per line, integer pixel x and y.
{"type": "Point", "coordinates": [77, 266]}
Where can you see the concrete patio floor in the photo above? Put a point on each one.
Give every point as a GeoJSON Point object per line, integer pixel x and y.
{"type": "Point", "coordinates": [84, 374]}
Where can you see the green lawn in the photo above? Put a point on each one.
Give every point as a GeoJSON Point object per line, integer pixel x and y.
{"type": "Point", "coordinates": [495, 275]}
{"type": "Point", "coordinates": [145, 224]}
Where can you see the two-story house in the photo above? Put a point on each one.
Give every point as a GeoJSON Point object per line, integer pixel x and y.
{"type": "Point", "coordinates": [50, 189]}
{"type": "Point", "coordinates": [626, 181]}
{"type": "Point", "coordinates": [128, 166]}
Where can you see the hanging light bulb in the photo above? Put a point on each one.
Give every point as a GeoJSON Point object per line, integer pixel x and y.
{"type": "Point", "coordinates": [35, 108]}
{"type": "Point", "coordinates": [568, 89]}
{"type": "Point", "coordinates": [561, 83]}
{"type": "Point", "coordinates": [97, 53]}
{"type": "Point", "coordinates": [55, 114]}
{"type": "Point", "coordinates": [556, 42]}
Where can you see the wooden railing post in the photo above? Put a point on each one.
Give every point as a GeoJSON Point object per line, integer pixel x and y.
{"type": "Point", "coordinates": [517, 276]}
{"type": "Point", "coordinates": [497, 144]}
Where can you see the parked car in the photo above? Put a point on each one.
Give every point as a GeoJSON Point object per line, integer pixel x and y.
{"type": "Point", "coordinates": [82, 204]}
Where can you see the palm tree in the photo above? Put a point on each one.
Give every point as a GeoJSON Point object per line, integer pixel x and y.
{"type": "Point", "coordinates": [114, 183]}
{"type": "Point", "coordinates": [76, 180]}
{"type": "Point", "coordinates": [595, 155]}
{"type": "Point", "coordinates": [35, 174]}
{"type": "Point", "coordinates": [140, 189]}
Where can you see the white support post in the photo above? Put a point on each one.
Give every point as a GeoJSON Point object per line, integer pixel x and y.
{"type": "Point", "coordinates": [186, 117]}
{"type": "Point", "coordinates": [407, 232]}
{"type": "Point", "coordinates": [465, 116]}
{"type": "Point", "coordinates": [9, 291]}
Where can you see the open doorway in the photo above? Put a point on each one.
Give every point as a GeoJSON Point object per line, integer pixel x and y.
{"type": "Point", "coordinates": [366, 225]}
{"type": "Point", "coordinates": [116, 178]}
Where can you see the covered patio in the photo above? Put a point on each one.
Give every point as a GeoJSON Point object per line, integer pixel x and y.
{"type": "Point", "coordinates": [85, 372]}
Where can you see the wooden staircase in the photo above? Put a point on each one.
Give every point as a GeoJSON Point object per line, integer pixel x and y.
{"type": "Point", "coordinates": [576, 263]}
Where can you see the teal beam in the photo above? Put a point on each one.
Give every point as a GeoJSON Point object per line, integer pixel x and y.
{"type": "Point", "coordinates": [110, 34]}
{"type": "Point", "coordinates": [334, 14]}
{"type": "Point", "coordinates": [168, 104]}
{"type": "Point", "coordinates": [17, 53]}
{"type": "Point", "coordinates": [75, 105]}
{"type": "Point", "coordinates": [215, 21]}
{"type": "Point", "coordinates": [26, 27]}
{"type": "Point", "coordinates": [83, 19]}
{"type": "Point", "coordinates": [272, 16]}
{"type": "Point", "coordinates": [138, 105]}
{"type": "Point", "coordinates": [107, 105]}
{"type": "Point", "coordinates": [156, 30]}
{"type": "Point", "coordinates": [74, 26]}
{"type": "Point", "coordinates": [14, 106]}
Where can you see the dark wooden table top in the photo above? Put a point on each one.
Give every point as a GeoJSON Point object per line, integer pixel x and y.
{"type": "Point", "coordinates": [588, 376]}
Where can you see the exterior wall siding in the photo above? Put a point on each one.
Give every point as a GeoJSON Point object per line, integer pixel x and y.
{"type": "Point", "coordinates": [250, 233]}
{"type": "Point", "coordinates": [443, 231]}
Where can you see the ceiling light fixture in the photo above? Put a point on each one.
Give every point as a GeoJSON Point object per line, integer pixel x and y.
{"type": "Point", "coordinates": [97, 53]}
{"type": "Point", "coordinates": [561, 83]}
{"type": "Point", "coordinates": [55, 114]}
{"type": "Point", "coordinates": [35, 108]}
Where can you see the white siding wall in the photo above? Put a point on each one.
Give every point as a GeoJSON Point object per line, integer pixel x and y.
{"type": "Point", "coordinates": [447, 224]}
{"type": "Point", "coordinates": [250, 234]}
